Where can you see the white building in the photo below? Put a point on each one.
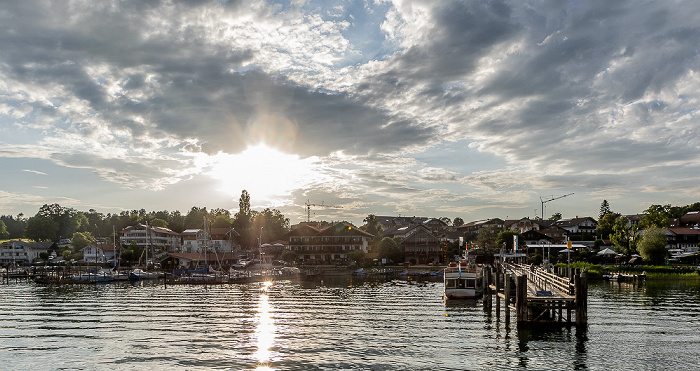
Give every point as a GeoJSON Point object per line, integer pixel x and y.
{"type": "Point", "coordinates": [159, 238]}
{"type": "Point", "coordinates": [99, 253]}
{"type": "Point", "coordinates": [19, 252]}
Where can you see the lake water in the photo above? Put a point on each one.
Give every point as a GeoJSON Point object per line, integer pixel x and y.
{"type": "Point", "coordinates": [334, 324]}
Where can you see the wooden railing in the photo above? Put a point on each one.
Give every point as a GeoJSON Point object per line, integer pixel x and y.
{"type": "Point", "coordinates": [542, 278]}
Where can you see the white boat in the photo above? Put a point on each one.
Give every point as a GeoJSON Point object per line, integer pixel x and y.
{"type": "Point", "coordinates": [463, 280]}
{"type": "Point", "coordinates": [140, 274]}
{"type": "Point", "coordinates": [99, 276]}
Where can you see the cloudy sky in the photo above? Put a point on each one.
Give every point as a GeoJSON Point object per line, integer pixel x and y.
{"type": "Point", "coordinates": [470, 109]}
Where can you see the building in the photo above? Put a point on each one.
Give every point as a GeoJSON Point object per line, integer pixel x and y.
{"type": "Point", "coordinates": [158, 238]}
{"type": "Point", "coordinates": [583, 226]}
{"type": "Point", "coordinates": [99, 253]}
{"type": "Point", "coordinates": [326, 246]}
{"type": "Point", "coordinates": [23, 252]}
{"type": "Point", "coordinates": [421, 246]}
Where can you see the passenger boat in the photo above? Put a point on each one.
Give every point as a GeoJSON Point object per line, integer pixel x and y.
{"type": "Point", "coordinates": [463, 280]}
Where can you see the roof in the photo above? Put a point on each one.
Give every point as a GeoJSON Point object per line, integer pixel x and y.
{"type": "Point", "coordinates": [103, 246]}
{"type": "Point", "coordinates": [573, 221]}
{"type": "Point", "coordinates": [692, 217]}
{"type": "Point", "coordinates": [684, 230]}
{"type": "Point", "coordinates": [30, 244]}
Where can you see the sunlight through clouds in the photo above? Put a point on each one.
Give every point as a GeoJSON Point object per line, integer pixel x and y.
{"type": "Point", "coordinates": [263, 171]}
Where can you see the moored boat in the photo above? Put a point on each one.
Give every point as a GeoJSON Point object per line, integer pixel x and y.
{"type": "Point", "coordinates": [463, 280]}
{"type": "Point", "coordinates": [140, 274]}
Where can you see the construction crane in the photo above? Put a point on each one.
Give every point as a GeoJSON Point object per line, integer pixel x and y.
{"type": "Point", "coordinates": [308, 208]}
{"type": "Point", "coordinates": [552, 198]}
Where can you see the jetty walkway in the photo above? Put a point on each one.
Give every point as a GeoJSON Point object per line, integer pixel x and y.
{"type": "Point", "coordinates": [537, 296]}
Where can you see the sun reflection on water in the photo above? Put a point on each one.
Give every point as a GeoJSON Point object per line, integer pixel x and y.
{"type": "Point", "coordinates": [265, 330]}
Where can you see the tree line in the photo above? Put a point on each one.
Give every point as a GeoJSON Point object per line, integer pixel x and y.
{"type": "Point", "coordinates": [54, 222]}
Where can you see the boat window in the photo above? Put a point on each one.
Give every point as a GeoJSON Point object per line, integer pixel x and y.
{"type": "Point", "coordinates": [471, 283]}
{"type": "Point", "coordinates": [451, 283]}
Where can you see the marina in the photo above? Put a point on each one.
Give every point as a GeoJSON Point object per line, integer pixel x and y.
{"type": "Point", "coordinates": [334, 323]}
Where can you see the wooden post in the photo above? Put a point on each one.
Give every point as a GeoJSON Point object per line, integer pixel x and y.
{"type": "Point", "coordinates": [581, 295]}
{"type": "Point", "coordinates": [506, 292]}
{"type": "Point", "coordinates": [498, 290]}
{"type": "Point", "coordinates": [521, 299]}
{"type": "Point", "coordinates": [488, 289]}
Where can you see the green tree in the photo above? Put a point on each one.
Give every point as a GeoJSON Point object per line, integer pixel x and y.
{"type": "Point", "coordinates": [656, 216]}
{"type": "Point", "coordinates": [506, 236]}
{"type": "Point", "coordinates": [67, 219]}
{"type": "Point", "coordinates": [390, 249]}
{"type": "Point", "coordinates": [372, 225]}
{"type": "Point", "coordinates": [652, 245]}
{"type": "Point", "coordinates": [623, 236]}
{"type": "Point", "coordinates": [604, 209]}
{"type": "Point", "coordinates": [41, 228]}
{"type": "Point", "coordinates": [486, 238]}
{"type": "Point", "coordinates": [242, 220]}
{"type": "Point", "coordinates": [4, 234]}
{"type": "Point", "coordinates": [555, 216]}
{"type": "Point", "coordinates": [156, 222]}
{"type": "Point", "coordinates": [195, 218]}
{"type": "Point", "coordinates": [605, 225]}
{"type": "Point", "coordinates": [81, 239]}
{"type": "Point", "coordinates": [358, 256]}
{"type": "Point", "coordinates": [289, 256]}
{"type": "Point", "coordinates": [457, 222]}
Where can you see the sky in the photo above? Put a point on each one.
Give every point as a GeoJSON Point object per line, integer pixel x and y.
{"type": "Point", "coordinates": [470, 109]}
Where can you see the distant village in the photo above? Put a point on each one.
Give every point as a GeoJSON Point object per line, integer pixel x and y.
{"type": "Point", "coordinates": [382, 239]}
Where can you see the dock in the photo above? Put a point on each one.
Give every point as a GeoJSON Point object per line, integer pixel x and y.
{"type": "Point", "coordinates": [536, 296]}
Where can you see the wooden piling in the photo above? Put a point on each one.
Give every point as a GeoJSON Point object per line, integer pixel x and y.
{"type": "Point", "coordinates": [521, 298]}
{"type": "Point", "coordinates": [581, 295]}
{"type": "Point", "coordinates": [506, 292]}
{"type": "Point", "coordinates": [498, 291]}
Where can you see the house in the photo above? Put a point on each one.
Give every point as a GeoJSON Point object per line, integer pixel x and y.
{"type": "Point", "coordinates": [526, 224]}
{"type": "Point", "coordinates": [224, 239]}
{"type": "Point", "coordinates": [690, 219]}
{"type": "Point", "coordinates": [99, 253]}
{"type": "Point", "coordinates": [23, 252]}
{"type": "Point", "coordinates": [533, 237]}
{"type": "Point", "coordinates": [192, 240]}
{"type": "Point", "coordinates": [326, 246]}
{"type": "Point", "coordinates": [683, 240]}
{"type": "Point", "coordinates": [585, 225]}
{"type": "Point", "coordinates": [147, 236]}
{"type": "Point", "coordinates": [473, 227]}
{"type": "Point", "coordinates": [421, 246]}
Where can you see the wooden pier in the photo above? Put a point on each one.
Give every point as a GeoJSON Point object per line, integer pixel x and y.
{"type": "Point", "coordinates": [536, 296]}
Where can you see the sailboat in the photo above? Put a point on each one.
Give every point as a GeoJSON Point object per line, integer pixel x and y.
{"type": "Point", "coordinates": [117, 273]}
{"type": "Point", "coordinates": [138, 273]}
{"type": "Point", "coordinates": [206, 274]}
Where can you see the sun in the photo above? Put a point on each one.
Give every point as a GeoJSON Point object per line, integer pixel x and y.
{"type": "Point", "coordinates": [267, 174]}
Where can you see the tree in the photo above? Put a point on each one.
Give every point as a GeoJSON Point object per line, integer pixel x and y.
{"type": "Point", "coordinates": [81, 239]}
{"type": "Point", "coordinates": [486, 238]}
{"type": "Point", "coordinates": [623, 236]}
{"type": "Point", "coordinates": [289, 256]}
{"type": "Point", "coordinates": [457, 222]}
{"type": "Point", "coordinates": [372, 225]}
{"type": "Point", "coordinates": [195, 218]}
{"type": "Point", "coordinates": [656, 216]}
{"type": "Point", "coordinates": [4, 234]}
{"type": "Point", "coordinates": [390, 249]}
{"type": "Point", "coordinates": [41, 228]}
{"type": "Point", "coordinates": [67, 219]}
{"type": "Point", "coordinates": [555, 216]}
{"type": "Point", "coordinates": [652, 245]}
{"type": "Point", "coordinates": [242, 220]}
{"type": "Point", "coordinates": [605, 225]}
{"type": "Point", "coordinates": [156, 222]}
{"type": "Point", "coordinates": [358, 256]}
{"type": "Point", "coordinates": [604, 209]}
{"type": "Point", "coordinates": [506, 236]}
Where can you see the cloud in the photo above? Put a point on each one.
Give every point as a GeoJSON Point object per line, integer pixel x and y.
{"type": "Point", "coordinates": [594, 97]}
{"type": "Point", "coordinates": [34, 172]}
